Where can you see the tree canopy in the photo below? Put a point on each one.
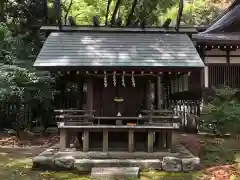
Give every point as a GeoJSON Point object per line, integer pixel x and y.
{"type": "Point", "coordinates": [155, 12]}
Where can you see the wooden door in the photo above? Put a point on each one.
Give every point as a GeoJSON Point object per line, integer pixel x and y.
{"type": "Point", "coordinates": [133, 98]}
{"type": "Point", "coordinates": [104, 98]}
{"type": "Point", "coordinates": [97, 97]}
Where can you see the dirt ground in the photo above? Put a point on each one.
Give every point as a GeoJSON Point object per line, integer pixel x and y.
{"type": "Point", "coordinates": [221, 172]}
{"type": "Point", "coordinates": [26, 140]}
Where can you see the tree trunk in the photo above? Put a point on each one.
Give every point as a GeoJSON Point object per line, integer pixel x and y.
{"type": "Point", "coordinates": [66, 15]}
{"type": "Point", "coordinates": [108, 6]}
{"type": "Point", "coordinates": [115, 12]}
{"type": "Point", "coordinates": [129, 19]}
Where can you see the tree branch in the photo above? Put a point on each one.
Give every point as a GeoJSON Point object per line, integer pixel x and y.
{"type": "Point", "coordinates": [66, 15]}
{"type": "Point", "coordinates": [77, 15]}
{"type": "Point", "coordinates": [129, 19]}
{"type": "Point", "coordinates": [115, 12]}
{"type": "Point", "coordinates": [108, 6]}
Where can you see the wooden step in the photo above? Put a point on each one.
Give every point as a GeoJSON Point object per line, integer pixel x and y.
{"type": "Point", "coordinates": [114, 172]}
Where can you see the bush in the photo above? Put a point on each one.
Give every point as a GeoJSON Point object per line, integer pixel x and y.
{"type": "Point", "coordinates": [214, 153]}
{"type": "Point", "coordinates": [223, 112]}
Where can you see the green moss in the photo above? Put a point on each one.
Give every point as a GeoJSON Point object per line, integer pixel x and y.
{"type": "Point", "coordinates": [150, 175]}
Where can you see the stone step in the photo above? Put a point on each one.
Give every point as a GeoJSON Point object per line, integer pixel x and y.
{"type": "Point", "coordinates": [114, 172]}
{"type": "Point", "coordinates": [85, 165]}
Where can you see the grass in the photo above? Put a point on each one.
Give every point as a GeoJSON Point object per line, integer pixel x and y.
{"type": "Point", "coordinates": [15, 166]}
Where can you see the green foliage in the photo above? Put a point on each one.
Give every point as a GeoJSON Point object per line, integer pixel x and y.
{"type": "Point", "coordinates": [197, 12]}
{"type": "Point", "coordinates": [200, 12]}
{"type": "Point", "coordinates": [19, 82]}
{"type": "Point", "coordinates": [214, 153]}
{"type": "Point", "coordinates": [223, 112]}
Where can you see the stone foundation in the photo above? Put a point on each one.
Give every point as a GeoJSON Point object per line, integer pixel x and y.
{"type": "Point", "coordinates": [84, 162]}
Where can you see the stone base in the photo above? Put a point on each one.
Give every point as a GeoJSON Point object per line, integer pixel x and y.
{"type": "Point", "coordinates": [85, 161]}
{"type": "Point", "coordinates": [114, 173]}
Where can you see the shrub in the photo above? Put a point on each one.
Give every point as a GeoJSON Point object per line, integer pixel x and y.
{"type": "Point", "coordinates": [223, 112]}
{"type": "Point", "coordinates": [214, 153]}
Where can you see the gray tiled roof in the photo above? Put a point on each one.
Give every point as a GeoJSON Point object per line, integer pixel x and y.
{"type": "Point", "coordinates": [118, 49]}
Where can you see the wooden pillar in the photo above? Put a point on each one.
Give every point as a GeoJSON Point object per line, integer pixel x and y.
{"type": "Point", "coordinates": [159, 92]}
{"type": "Point", "coordinates": [149, 95]}
{"type": "Point", "coordinates": [159, 140]}
{"type": "Point", "coordinates": [169, 140]}
{"type": "Point", "coordinates": [63, 139]}
{"type": "Point", "coordinates": [105, 140]}
{"type": "Point", "coordinates": [130, 140]}
{"type": "Point", "coordinates": [164, 139]}
{"type": "Point", "coordinates": [85, 140]}
{"type": "Point", "coordinates": [150, 141]}
{"type": "Point", "coordinates": [206, 83]}
{"type": "Point", "coordinates": [89, 93]}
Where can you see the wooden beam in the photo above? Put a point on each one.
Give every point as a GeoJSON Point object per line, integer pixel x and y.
{"type": "Point", "coordinates": [130, 140]}
{"type": "Point", "coordinates": [105, 140]}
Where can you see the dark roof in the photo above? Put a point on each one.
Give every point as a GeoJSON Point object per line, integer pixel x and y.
{"type": "Point", "coordinates": [225, 30]}
{"type": "Point", "coordinates": [229, 8]}
{"type": "Point", "coordinates": [230, 22]}
{"type": "Point", "coordinates": [85, 49]}
{"type": "Point", "coordinates": [219, 38]}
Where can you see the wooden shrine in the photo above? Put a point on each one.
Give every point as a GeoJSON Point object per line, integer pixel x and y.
{"type": "Point", "coordinates": [122, 82]}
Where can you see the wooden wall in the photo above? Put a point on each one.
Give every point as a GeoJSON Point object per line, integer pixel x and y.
{"type": "Point", "coordinates": [222, 67]}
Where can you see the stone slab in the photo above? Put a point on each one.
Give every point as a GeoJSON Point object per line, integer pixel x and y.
{"type": "Point", "coordinates": [114, 172]}
{"type": "Point", "coordinates": [85, 165]}
{"type": "Point", "coordinates": [190, 164]}
{"type": "Point", "coordinates": [116, 155]}
{"type": "Point", "coordinates": [171, 164]}
{"type": "Point", "coordinates": [66, 162]}
{"type": "Point", "coordinates": [43, 162]}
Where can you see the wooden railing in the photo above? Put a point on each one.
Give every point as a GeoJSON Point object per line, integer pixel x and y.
{"type": "Point", "coordinates": [188, 110]}
{"type": "Point", "coordinates": [75, 117]}
{"type": "Point", "coordinates": [158, 123]}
